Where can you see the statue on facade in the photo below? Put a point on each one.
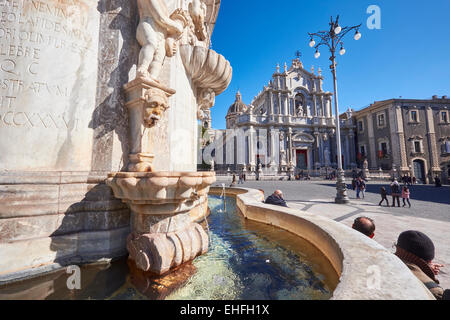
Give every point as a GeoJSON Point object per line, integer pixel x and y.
{"type": "Point", "coordinates": [157, 33]}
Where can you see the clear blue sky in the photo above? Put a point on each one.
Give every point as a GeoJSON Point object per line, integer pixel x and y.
{"type": "Point", "coordinates": [408, 57]}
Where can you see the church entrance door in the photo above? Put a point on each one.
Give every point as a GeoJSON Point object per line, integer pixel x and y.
{"type": "Point", "coordinates": [419, 170]}
{"type": "Point", "coordinates": [302, 159]}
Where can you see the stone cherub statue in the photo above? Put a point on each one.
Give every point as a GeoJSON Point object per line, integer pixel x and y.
{"type": "Point", "coordinates": [197, 11]}
{"type": "Point", "coordinates": [157, 33]}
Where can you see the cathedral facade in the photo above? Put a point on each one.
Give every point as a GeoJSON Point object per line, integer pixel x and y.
{"type": "Point", "coordinates": [288, 128]}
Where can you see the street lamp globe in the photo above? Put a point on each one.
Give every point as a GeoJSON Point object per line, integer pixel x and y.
{"type": "Point", "coordinates": [357, 35]}
{"type": "Point", "coordinates": [338, 29]}
{"type": "Point", "coordinates": [317, 54]}
{"type": "Point", "coordinates": [312, 43]}
{"type": "Point", "coordinates": [342, 51]}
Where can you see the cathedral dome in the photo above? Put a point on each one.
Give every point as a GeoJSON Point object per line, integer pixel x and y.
{"type": "Point", "coordinates": [238, 106]}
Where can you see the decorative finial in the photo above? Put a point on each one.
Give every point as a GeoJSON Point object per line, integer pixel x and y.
{"type": "Point", "coordinates": [312, 69]}
{"type": "Point", "coordinates": [278, 68]}
{"type": "Point", "coordinates": [320, 71]}
{"type": "Point", "coordinates": [285, 67]}
{"type": "Point", "coordinates": [238, 95]}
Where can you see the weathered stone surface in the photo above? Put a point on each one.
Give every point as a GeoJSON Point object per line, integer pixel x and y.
{"type": "Point", "coordinates": [157, 287]}
{"type": "Point", "coordinates": [50, 73]}
{"type": "Point", "coordinates": [48, 217]}
{"type": "Point", "coordinates": [159, 252]}
{"type": "Point", "coordinates": [84, 246]}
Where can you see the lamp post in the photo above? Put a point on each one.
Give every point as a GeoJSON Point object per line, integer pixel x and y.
{"type": "Point", "coordinates": [332, 39]}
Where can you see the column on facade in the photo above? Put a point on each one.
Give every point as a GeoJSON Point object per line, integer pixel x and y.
{"type": "Point", "coordinates": [285, 104]}
{"type": "Point", "coordinates": [316, 149]}
{"type": "Point", "coordinates": [279, 103]}
{"type": "Point", "coordinates": [400, 134]}
{"type": "Point", "coordinates": [329, 107]}
{"type": "Point", "coordinates": [270, 105]}
{"type": "Point", "coordinates": [273, 152]}
{"type": "Point", "coordinates": [322, 106]}
{"type": "Point", "coordinates": [435, 168]}
{"type": "Point", "coordinates": [251, 148]}
{"type": "Point", "coordinates": [315, 105]}
{"type": "Point", "coordinates": [321, 150]}
{"type": "Point", "coordinates": [372, 146]}
{"type": "Point", "coordinates": [352, 149]}
{"type": "Point", "coordinates": [333, 151]}
{"type": "Point", "coordinates": [347, 150]}
{"type": "Point", "coordinates": [292, 107]}
{"type": "Point", "coordinates": [290, 146]}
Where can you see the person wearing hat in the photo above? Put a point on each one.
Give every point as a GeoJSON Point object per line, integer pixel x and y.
{"type": "Point", "coordinates": [416, 250]}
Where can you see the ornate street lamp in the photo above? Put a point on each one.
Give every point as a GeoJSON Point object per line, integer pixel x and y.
{"type": "Point", "coordinates": [332, 39]}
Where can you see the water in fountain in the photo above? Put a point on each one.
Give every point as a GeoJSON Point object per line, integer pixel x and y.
{"type": "Point", "coordinates": [246, 260]}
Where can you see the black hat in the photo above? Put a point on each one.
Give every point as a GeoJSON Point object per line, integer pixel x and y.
{"type": "Point", "coordinates": [417, 243]}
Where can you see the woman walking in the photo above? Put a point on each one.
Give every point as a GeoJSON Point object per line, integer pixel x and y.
{"type": "Point", "coordinates": [405, 196]}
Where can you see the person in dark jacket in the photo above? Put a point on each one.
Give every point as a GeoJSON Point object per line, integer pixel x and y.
{"type": "Point", "coordinates": [416, 250]}
{"type": "Point", "coordinates": [383, 194]}
{"type": "Point", "coordinates": [276, 198]}
{"type": "Point", "coordinates": [395, 192]}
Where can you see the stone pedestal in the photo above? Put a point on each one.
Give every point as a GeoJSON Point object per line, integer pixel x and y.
{"type": "Point", "coordinates": [147, 103]}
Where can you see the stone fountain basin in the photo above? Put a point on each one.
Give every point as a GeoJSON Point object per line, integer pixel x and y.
{"type": "Point", "coordinates": [356, 259]}
{"type": "Point", "coordinates": [159, 193]}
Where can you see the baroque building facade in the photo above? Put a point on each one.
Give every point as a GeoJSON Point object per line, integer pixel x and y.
{"type": "Point", "coordinates": [409, 136]}
{"type": "Point", "coordinates": [288, 128]}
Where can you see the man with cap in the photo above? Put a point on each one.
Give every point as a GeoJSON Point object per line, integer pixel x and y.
{"type": "Point", "coordinates": [416, 250]}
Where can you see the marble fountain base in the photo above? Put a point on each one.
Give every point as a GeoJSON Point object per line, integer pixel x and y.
{"type": "Point", "coordinates": [164, 206]}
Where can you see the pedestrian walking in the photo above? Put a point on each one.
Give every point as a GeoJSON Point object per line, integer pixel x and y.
{"type": "Point", "coordinates": [383, 194]}
{"type": "Point", "coordinates": [405, 196]}
{"type": "Point", "coordinates": [362, 187]}
{"type": "Point", "coordinates": [358, 187]}
{"type": "Point", "coordinates": [241, 179]}
{"type": "Point", "coordinates": [233, 181]}
{"type": "Point", "coordinates": [395, 192]}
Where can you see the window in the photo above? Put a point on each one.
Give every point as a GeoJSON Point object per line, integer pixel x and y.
{"type": "Point", "coordinates": [445, 148]}
{"type": "Point", "coordinates": [360, 126]}
{"type": "Point", "coordinates": [381, 120]}
{"type": "Point", "coordinates": [444, 116]}
{"type": "Point", "coordinates": [417, 147]}
{"type": "Point", "coordinates": [414, 117]}
{"type": "Point", "coordinates": [362, 150]}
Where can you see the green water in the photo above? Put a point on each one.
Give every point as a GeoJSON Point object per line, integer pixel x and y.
{"type": "Point", "coordinates": [246, 260]}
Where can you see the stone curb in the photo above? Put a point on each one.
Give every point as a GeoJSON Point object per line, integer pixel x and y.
{"type": "Point", "coordinates": [367, 271]}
